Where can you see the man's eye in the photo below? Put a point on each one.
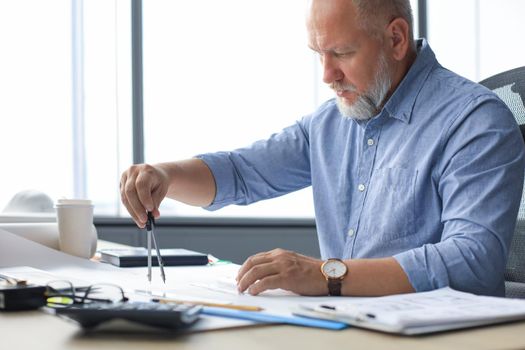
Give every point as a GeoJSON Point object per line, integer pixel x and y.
{"type": "Point", "coordinates": [343, 54]}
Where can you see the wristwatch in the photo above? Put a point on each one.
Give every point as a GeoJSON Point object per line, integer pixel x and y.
{"type": "Point", "coordinates": [334, 270]}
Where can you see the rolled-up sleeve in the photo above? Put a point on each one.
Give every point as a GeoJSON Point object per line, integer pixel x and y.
{"type": "Point", "coordinates": [266, 169]}
{"type": "Point", "coordinates": [479, 179]}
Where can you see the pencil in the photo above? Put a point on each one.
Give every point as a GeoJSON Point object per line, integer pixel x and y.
{"type": "Point", "coordinates": [203, 303]}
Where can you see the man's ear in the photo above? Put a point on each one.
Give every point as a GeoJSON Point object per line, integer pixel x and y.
{"type": "Point", "coordinates": [398, 38]}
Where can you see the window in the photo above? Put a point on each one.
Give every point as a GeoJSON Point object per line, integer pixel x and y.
{"type": "Point", "coordinates": [217, 75]}
{"type": "Point", "coordinates": [107, 100]}
{"type": "Point", "coordinates": [222, 78]}
{"type": "Point", "coordinates": [477, 38]}
{"type": "Point", "coordinates": [35, 89]}
{"type": "Point", "coordinates": [65, 91]}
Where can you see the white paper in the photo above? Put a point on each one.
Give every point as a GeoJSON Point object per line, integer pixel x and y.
{"type": "Point", "coordinates": [218, 283]}
{"type": "Point", "coordinates": [16, 253]}
{"type": "Point", "coordinates": [39, 277]}
{"type": "Point", "coordinates": [45, 233]}
{"type": "Point", "coordinates": [419, 312]}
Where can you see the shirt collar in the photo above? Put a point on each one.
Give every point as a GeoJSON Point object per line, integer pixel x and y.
{"type": "Point", "coordinates": [401, 103]}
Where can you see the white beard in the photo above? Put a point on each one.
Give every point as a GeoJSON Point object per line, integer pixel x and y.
{"type": "Point", "coordinates": [367, 104]}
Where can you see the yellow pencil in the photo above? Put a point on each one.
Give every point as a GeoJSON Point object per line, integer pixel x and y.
{"type": "Point", "coordinates": [203, 303]}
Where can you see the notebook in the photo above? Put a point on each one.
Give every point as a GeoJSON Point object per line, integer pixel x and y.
{"type": "Point", "coordinates": [135, 257]}
{"type": "Point", "coordinates": [418, 313]}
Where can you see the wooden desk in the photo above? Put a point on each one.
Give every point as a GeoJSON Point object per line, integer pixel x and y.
{"type": "Point", "coordinates": [36, 330]}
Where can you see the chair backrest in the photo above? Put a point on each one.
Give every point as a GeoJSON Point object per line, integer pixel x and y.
{"type": "Point", "coordinates": [510, 87]}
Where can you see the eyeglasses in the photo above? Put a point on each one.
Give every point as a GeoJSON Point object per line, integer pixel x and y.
{"type": "Point", "coordinates": [62, 293]}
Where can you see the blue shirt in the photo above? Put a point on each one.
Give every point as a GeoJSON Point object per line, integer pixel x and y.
{"type": "Point", "coordinates": [434, 180]}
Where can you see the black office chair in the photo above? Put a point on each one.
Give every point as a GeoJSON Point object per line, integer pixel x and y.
{"type": "Point", "coordinates": [510, 87]}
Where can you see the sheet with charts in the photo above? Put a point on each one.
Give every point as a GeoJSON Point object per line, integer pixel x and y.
{"type": "Point", "coordinates": [424, 312]}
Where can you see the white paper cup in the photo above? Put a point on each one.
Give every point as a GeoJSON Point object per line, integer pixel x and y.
{"type": "Point", "coordinates": [76, 233]}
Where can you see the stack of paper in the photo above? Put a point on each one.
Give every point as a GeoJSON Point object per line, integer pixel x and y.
{"type": "Point", "coordinates": [427, 312]}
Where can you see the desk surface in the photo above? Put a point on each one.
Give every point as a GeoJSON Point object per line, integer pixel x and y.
{"type": "Point", "coordinates": [37, 330]}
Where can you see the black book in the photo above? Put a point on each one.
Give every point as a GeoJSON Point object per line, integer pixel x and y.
{"type": "Point", "coordinates": [135, 257]}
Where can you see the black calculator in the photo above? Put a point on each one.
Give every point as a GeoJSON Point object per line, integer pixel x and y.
{"type": "Point", "coordinates": [168, 316]}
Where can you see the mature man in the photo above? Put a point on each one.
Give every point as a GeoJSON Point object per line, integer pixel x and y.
{"type": "Point", "coordinates": [416, 172]}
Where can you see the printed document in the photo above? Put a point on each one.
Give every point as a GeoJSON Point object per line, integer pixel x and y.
{"type": "Point", "coordinates": [418, 313]}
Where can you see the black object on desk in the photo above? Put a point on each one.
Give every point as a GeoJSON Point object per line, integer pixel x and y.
{"type": "Point", "coordinates": [135, 257]}
{"type": "Point", "coordinates": [172, 316]}
{"type": "Point", "coordinates": [21, 297]}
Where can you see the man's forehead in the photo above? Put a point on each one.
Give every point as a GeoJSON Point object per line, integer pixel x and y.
{"type": "Point", "coordinates": [332, 39]}
{"type": "Point", "coordinates": [334, 5]}
{"type": "Point", "coordinates": [320, 46]}
{"type": "Point", "coordinates": [331, 24]}
{"type": "Point", "coordinates": [322, 11]}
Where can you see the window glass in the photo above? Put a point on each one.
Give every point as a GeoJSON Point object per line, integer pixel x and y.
{"type": "Point", "coordinates": [477, 38]}
{"type": "Point", "coordinates": [35, 90]}
{"type": "Point", "coordinates": [107, 100]}
{"type": "Point", "coordinates": [219, 75]}
{"type": "Point", "coordinates": [39, 108]}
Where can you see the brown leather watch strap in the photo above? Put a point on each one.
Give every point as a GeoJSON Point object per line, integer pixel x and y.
{"type": "Point", "coordinates": [334, 286]}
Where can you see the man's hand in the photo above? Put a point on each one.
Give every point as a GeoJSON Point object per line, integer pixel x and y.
{"type": "Point", "coordinates": [282, 269]}
{"type": "Point", "coordinates": [142, 188]}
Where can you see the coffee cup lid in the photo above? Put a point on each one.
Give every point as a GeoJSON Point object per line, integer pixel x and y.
{"type": "Point", "coordinates": [64, 201]}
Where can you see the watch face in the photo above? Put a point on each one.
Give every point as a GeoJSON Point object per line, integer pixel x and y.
{"type": "Point", "coordinates": [334, 269]}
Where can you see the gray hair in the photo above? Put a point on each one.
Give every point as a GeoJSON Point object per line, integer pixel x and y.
{"type": "Point", "coordinates": [373, 15]}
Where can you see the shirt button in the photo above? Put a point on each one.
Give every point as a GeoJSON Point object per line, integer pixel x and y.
{"type": "Point", "coordinates": [370, 142]}
{"type": "Point", "coordinates": [351, 232]}
{"type": "Point", "coordinates": [361, 187]}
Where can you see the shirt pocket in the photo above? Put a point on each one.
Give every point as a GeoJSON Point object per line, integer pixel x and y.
{"type": "Point", "coordinates": [390, 205]}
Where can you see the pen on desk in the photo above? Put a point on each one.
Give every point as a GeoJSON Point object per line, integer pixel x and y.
{"type": "Point", "coordinates": [204, 303]}
{"type": "Point", "coordinates": [150, 226]}
{"type": "Point", "coordinates": [328, 307]}
{"type": "Point", "coordinates": [333, 308]}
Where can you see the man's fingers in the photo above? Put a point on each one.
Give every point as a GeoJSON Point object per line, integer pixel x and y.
{"type": "Point", "coordinates": [125, 178]}
{"type": "Point", "coordinates": [156, 213]}
{"type": "Point", "coordinates": [136, 194]}
{"type": "Point", "coordinates": [134, 206]}
{"type": "Point", "coordinates": [126, 204]}
{"type": "Point", "coordinates": [269, 282]}
{"type": "Point", "coordinates": [142, 188]}
{"type": "Point", "coordinates": [157, 196]}
{"type": "Point", "coordinates": [281, 269]}
{"type": "Point", "coordinates": [259, 258]}
{"type": "Point", "coordinates": [257, 273]}
{"type": "Point", "coordinates": [143, 185]}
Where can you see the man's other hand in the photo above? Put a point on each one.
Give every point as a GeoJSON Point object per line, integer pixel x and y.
{"type": "Point", "coordinates": [282, 269]}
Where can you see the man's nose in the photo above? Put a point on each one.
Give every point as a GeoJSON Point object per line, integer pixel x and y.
{"type": "Point", "coordinates": [331, 70]}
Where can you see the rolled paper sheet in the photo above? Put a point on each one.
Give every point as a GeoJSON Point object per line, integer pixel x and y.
{"type": "Point", "coordinates": [45, 233]}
